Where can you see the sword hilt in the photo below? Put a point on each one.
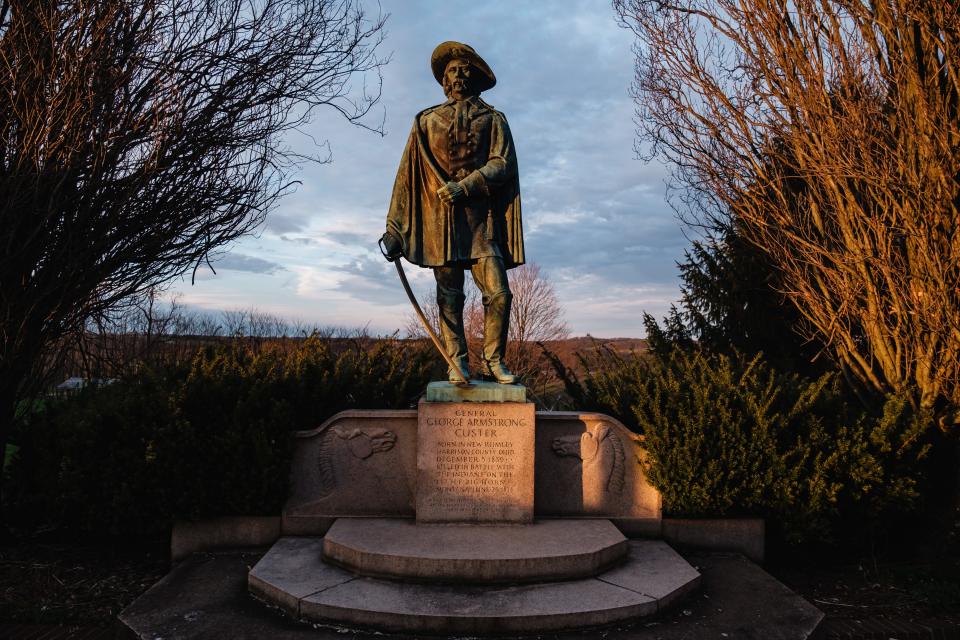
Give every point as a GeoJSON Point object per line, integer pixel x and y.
{"type": "Point", "coordinates": [383, 250]}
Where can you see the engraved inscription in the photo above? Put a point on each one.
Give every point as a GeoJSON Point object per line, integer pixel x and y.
{"type": "Point", "coordinates": [475, 462]}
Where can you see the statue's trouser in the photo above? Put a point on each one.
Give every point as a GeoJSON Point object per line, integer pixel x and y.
{"type": "Point", "coordinates": [491, 278]}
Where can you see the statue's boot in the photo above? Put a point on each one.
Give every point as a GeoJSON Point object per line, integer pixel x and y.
{"type": "Point", "coordinates": [496, 322]}
{"type": "Point", "coordinates": [450, 303]}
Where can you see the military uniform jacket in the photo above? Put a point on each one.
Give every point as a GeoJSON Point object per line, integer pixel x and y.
{"type": "Point", "coordinates": [467, 142]}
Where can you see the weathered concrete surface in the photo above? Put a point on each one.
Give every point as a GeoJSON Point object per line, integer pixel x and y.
{"type": "Point", "coordinates": [364, 463]}
{"type": "Point", "coordinates": [652, 576]}
{"type": "Point", "coordinates": [478, 391]}
{"type": "Point", "coordinates": [737, 601]}
{"type": "Point", "coordinates": [475, 462]}
{"type": "Point", "coordinates": [653, 571]}
{"type": "Point", "coordinates": [431, 608]}
{"type": "Point", "coordinates": [292, 569]}
{"type": "Point", "coordinates": [243, 531]}
{"type": "Point", "coordinates": [545, 550]}
{"type": "Point", "coordinates": [740, 535]}
{"type": "Point", "coordinates": [307, 525]}
{"type": "Point", "coordinates": [206, 597]}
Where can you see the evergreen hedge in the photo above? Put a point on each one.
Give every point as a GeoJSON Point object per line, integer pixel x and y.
{"type": "Point", "coordinates": [728, 435]}
{"type": "Point", "coordinates": [211, 438]}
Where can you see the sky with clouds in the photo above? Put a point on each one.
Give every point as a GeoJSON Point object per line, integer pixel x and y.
{"type": "Point", "coordinates": [595, 218]}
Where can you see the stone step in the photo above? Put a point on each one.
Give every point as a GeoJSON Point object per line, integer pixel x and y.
{"type": "Point", "coordinates": [294, 577]}
{"type": "Point", "coordinates": [544, 551]}
{"type": "Point", "coordinates": [206, 596]}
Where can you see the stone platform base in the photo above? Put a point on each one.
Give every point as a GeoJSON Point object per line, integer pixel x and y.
{"type": "Point", "coordinates": [293, 576]}
{"type": "Point", "coordinates": [206, 596]}
{"type": "Point", "coordinates": [544, 551]}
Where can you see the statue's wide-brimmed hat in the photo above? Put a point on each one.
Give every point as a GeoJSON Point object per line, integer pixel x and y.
{"type": "Point", "coordinates": [450, 50]}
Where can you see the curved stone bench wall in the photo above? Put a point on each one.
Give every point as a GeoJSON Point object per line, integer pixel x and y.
{"type": "Point", "coordinates": [364, 463]}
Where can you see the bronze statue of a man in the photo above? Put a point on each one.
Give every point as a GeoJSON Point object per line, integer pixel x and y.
{"type": "Point", "coordinates": [456, 204]}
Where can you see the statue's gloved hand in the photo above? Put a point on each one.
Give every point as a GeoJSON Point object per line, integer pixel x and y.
{"type": "Point", "coordinates": [452, 192]}
{"type": "Point", "coordinates": [392, 247]}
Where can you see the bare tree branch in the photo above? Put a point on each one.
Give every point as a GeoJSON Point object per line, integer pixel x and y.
{"type": "Point", "coordinates": [827, 132]}
{"type": "Point", "coordinates": [139, 136]}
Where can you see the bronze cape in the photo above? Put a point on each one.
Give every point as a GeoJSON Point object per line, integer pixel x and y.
{"type": "Point", "coordinates": [425, 225]}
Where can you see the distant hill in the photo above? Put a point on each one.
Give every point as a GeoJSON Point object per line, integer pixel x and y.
{"type": "Point", "coordinates": [567, 349]}
{"type": "Point", "coordinates": [114, 355]}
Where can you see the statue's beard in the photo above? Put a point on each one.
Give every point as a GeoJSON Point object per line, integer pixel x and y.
{"type": "Point", "coordinates": [458, 88]}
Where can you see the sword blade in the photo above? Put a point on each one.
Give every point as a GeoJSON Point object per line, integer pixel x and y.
{"type": "Point", "coordinates": [426, 325]}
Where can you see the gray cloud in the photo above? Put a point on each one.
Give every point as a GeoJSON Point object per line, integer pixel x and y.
{"type": "Point", "coordinates": [251, 264]}
{"type": "Point", "coordinates": [351, 238]}
{"type": "Point", "coordinates": [300, 240]}
{"type": "Point", "coordinates": [595, 218]}
{"type": "Point", "coordinates": [371, 281]}
{"type": "Point", "coordinates": [284, 220]}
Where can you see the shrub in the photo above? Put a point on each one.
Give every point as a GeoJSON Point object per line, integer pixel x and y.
{"type": "Point", "coordinates": [211, 439]}
{"type": "Point", "coordinates": [91, 460]}
{"type": "Point", "coordinates": [728, 436]}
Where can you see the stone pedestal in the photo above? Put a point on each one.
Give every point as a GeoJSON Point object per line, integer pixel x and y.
{"type": "Point", "coordinates": [364, 463]}
{"type": "Point", "coordinates": [294, 577]}
{"type": "Point", "coordinates": [546, 551]}
{"type": "Point", "coordinates": [475, 462]}
{"type": "Point", "coordinates": [474, 561]}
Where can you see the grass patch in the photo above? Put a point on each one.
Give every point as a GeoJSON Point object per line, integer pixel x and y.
{"type": "Point", "coordinates": [58, 583]}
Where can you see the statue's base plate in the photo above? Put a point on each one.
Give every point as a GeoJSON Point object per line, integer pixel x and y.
{"type": "Point", "coordinates": [478, 391]}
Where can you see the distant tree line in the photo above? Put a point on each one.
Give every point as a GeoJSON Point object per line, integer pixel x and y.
{"type": "Point", "coordinates": [155, 331]}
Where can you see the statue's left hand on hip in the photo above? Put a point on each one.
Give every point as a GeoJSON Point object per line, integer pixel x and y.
{"type": "Point", "coordinates": [452, 192]}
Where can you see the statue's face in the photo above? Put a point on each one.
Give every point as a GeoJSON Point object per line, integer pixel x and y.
{"type": "Point", "coordinates": [458, 82]}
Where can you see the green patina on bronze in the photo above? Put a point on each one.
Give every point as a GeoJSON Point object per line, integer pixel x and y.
{"type": "Point", "coordinates": [456, 203]}
{"type": "Point", "coordinates": [469, 142]}
{"type": "Point", "coordinates": [476, 392]}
